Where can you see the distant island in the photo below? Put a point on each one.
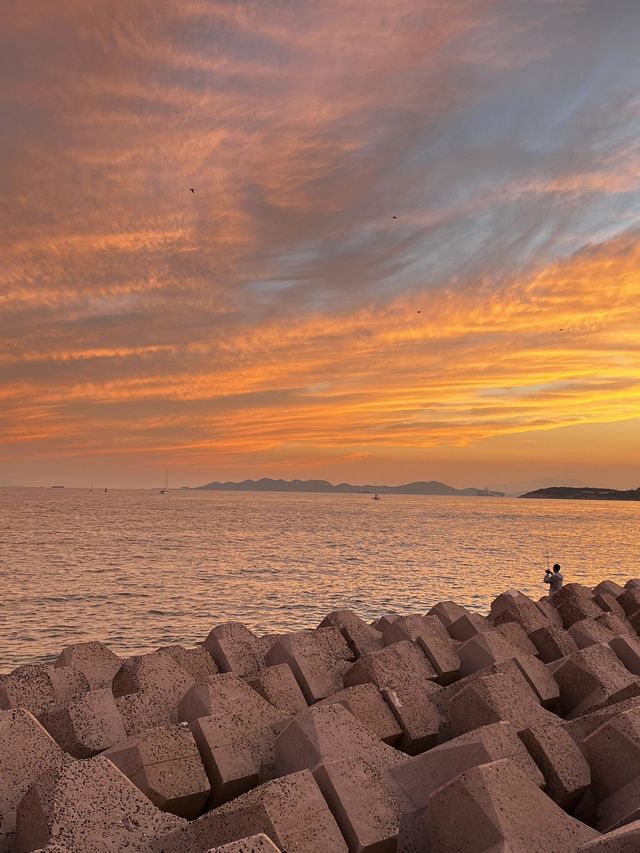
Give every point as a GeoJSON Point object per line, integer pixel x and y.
{"type": "Point", "coordinates": [432, 487]}
{"type": "Point", "coordinates": [585, 493]}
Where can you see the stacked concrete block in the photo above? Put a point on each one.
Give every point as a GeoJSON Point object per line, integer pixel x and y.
{"type": "Point", "coordinates": [362, 638]}
{"type": "Point", "coordinates": [467, 626]}
{"type": "Point", "coordinates": [629, 600]}
{"type": "Point", "coordinates": [26, 751]}
{"type": "Point", "coordinates": [368, 706]}
{"type": "Point", "coordinates": [613, 753]}
{"type": "Point", "coordinates": [88, 807]}
{"type": "Point", "coordinates": [318, 660]}
{"type": "Point", "coordinates": [547, 609]}
{"type": "Point", "coordinates": [565, 769]}
{"type": "Point", "coordinates": [592, 678]}
{"type": "Point", "coordinates": [433, 639]}
{"type": "Point", "coordinates": [405, 676]}
{"type": "Point", "coordinates": [291, 811]}
{"type": "Point", "coordinates": [623, 840]}
{"type": "Point", "coordinates": [448, 612]}
{"type": "Point", "coordinates": [349, 764]}
{"type": "Point", "coordinates": [579, 728]}
{"type": "Point", "coordinates": [525, 613]}
{"type": "Point", "coordinates": [234, 648]}
{"type": "Point", "coordinates": [40, 688]}
{"type": "Point", "coordinates": [574, 602]}
{"type": "Point", "coordinates": [493, 698]}
{"type": "Point", "coordinates": [140, 711]}
{"type": "Point", "coordinates": [497, 807]}
{"type": "Point", "coordinates": [417, 779]}
{"type": "Point", "coordinates": [256, 844]}
{"type": "Point", "coordinates": [164, 763]}
{"type": "Point", "coordinates": [590, 632]}
{"type": "Point", "coordinates": [232, 726]}
{"type": "Point", "coordinates": [277, 684]}
{"type": "Point", "coordinates": [616, 625]}
{"type": "Point", "coordinates": [88, 725]}
{"type": "Point", "coordinates": [155, 674]}
{"type": "Point", "coordinates": [553, 642]}
{"type": "Point", "coordinates": [490, 647]}
{"type": "Point", "coordinates": [515, 634]}
{"type": "Point", "coordinates": [305, 744]}
{"type": "Point", "coordinates": [608, 587]}
{"type": "Point", "coordinates": [94, 660]}
{"type": "Point", "coordinates": [382, 622]}
{"type": "Point", "coordinates": [608, 604]}
{"type": "Point", "coordinates": [197, 662]}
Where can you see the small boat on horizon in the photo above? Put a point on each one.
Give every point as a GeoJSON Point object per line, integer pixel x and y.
{"type": "Point", "coordinates": [165, 489]}
{"type": "Point", "coordinates": [376, 496]}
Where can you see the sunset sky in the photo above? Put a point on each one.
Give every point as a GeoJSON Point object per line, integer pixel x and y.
{"type": "Point", "coordinates": [280, 321]}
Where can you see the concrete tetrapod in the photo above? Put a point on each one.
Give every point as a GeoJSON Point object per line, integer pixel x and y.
{"type": "Point", "coordinates": [490, 647]}
{"type": "Point", "coordinates": [553, 643]}
{"type": "Point", "coordinates": [26, 751]}
{"type": "Point", "coordinates": [367, 704]}
{"type": "Point", "coordinates": [362, 638]}
{"type": "Point", "coordinates": [405, 676]}
{"type": "Point", "coordinates": [86, 726]}
{"type": "Point", "coordinates": [613, 753]}
{"type": "Point", "coordinates": [497, 808]}
{"type": "Point", "coordinates": [256, 844]}
{"type": "Point", "coordinates": [94, 660]}
{"type": "Point", "coordinates": [40, 688]}
{"type": "Point", "coordinates": [156, 674]}
{"type": "Point", "coordinates": [90, 807]}
{"type": "Point", "coordinates": [492, 698]}
{"type": "Point", "coordinates": [277, 684]}
{"type": "Point", "coordinates": [565, 769]}
{"type": "Point", "coordinates": [623, 840]}
{"type": "Point", "coordinates": [234, 648]}
{"type": "Point", "coordinates": [197, 662]}
{"type": "Point", "coordinates": [349, 764]}
{"type": "Point", "coordinates": [433, 639]}
{"type": "Point", "coordinates": [417, 779]}
{"type": "Point", "coordinates": [318, 660]}
{"type": "Point", "coordinates": [232, 726]}
{"type": "Point", "coordinates": [164, 763]}
{"type": "Point", "coordinates": [592, 678]}
{"type": "Point", "coordinates": [291, 811]}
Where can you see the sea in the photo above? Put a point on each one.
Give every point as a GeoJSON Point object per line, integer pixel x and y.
{"type": "Point", "coordinates": [139, 569]}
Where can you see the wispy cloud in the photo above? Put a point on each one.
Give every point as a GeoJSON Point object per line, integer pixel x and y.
{"type": "Point", "coordinates": [273, 315]}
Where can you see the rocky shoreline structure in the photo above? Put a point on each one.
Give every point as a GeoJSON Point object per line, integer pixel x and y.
{"type": "Point", "coordinates": [439, 733]}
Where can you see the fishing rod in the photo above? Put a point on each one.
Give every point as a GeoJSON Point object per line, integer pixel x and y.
{"type": "Point", "coordinates": [546, 542]}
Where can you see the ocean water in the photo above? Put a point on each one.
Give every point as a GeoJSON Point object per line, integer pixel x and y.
{"type": "Point", "coordinates": [138, 569]}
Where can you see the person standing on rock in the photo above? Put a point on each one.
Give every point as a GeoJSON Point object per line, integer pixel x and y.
{"type": "Point", "coordinates": [554, 579]}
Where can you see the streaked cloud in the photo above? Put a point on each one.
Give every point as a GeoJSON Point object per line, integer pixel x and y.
{"type": "Point", "coordinates": [269, 323]}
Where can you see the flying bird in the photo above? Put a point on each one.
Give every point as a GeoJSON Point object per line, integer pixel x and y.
{"type": "Point", "coordinates": [394, 217]}
{"type": "Point", "coordinates": [192, 190]}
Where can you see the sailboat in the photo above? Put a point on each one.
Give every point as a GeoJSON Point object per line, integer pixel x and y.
{"type": "Point", "coordinates": [165, 489]}
{"type": "Point", "coordinates": [376, 496]}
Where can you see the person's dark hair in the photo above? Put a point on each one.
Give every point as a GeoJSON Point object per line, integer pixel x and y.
{"type": "Point", "coordinates": [556, 567]}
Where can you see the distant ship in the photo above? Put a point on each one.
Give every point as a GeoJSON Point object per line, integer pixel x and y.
{"type": "Point", "coordinates": [376, 496]}
{"type": "Point", "coordinates": [165, 489]}
{"type": "Point", "coordinates": [57, 487]}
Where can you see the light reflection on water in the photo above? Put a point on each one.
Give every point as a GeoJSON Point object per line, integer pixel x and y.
{"type": "Point", "coordinates": [138, 569]}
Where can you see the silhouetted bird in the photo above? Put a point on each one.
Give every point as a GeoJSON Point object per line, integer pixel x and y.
{"type": "Point", "coordinates": [419, 312]}
{"type": "Point", "coordinates": [192, 190]}
{"type": "Point", "coordinates": [394, 217]}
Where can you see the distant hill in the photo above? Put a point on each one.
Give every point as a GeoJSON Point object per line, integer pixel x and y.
{"type": "Point", "coordinates": [432, 487]}
{"type": "Point", "coordinates": [585, 493]}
